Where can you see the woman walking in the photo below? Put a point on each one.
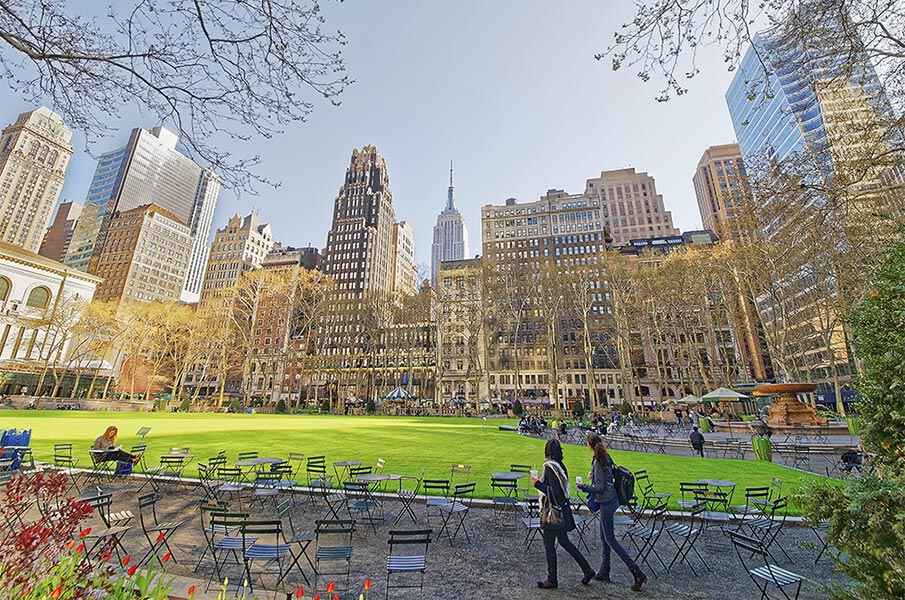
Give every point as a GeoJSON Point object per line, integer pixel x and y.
{"type": "Point", "coordinates": [556, 515]}
{"type": "Point", "coordinates": [603, 490]}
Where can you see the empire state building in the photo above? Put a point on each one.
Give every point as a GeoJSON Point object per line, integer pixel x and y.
{"type": "Point", "coordinates": [450, 235]}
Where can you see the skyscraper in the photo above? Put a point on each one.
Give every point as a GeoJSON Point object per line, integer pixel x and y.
{"type": "Point", "coordinates": [632, 208]}
{"type": "Point", "coordinates": [720, 185]}
{"type": "Point", "coordinates": [450, 234]}
{"type": "Point", "coordinates": [59, 234]}
{"type": "Point", "coordinates": [360, 245]}
{"type": "Point", "coordinates": [34, 154]}
{"type": "Point", "coordinates": [149, 169]}
{"type": "Point", "coordinates": [202, 218]}
{"type": "Point", "coordinates": [240, 246]}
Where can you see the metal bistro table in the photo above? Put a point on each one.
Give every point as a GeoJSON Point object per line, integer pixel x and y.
{"type": "Point", "coordinates": [509, 475]}
{"type": "Point", "coordinates": [249, 465]}
{"type": "Point", "coordinates": [724, 489]}
{"type": "Point", "coordinates": [344, 466]}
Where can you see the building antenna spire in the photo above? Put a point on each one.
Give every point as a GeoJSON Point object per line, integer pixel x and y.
{"type": "Point", "coordinates": [449, 196]}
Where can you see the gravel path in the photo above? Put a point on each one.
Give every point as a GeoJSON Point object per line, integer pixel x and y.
{"type": "Point", "coordinates": [496, 564]}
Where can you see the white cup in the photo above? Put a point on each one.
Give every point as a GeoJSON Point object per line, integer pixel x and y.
{"type": "Point", "coordinates": [533, 473]}
{"type": "Point", "coordinates": [579, 480]}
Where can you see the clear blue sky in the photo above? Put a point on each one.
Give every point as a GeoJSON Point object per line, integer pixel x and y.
{"type": "Point", "coordinates": [510, 91]}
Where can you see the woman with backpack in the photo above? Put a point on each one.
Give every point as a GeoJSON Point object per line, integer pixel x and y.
{"type": "Point", "coordinates": [602, 492]}
{"type": "Point", "coordinates": [556, 518]}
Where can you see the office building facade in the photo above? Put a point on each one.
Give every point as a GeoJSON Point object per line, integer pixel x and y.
{"type": "Point", "coordinates": [34, 154]}
{"type": "Point", "coordinates": [630, 204]}
{"type": "Point", "coordinates": [202, 219]}
{"type": "Point", "coordinates": [450, 234]}
{"type": "Point", "coordinates": [240, 246]}
{"type": "Point", "coordinates": [58, 236]}
{"type": "Point", "coordinates": [721, 186]}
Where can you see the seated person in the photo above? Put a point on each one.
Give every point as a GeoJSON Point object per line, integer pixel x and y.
{"type": "Point", "coordinates": [105, 448]}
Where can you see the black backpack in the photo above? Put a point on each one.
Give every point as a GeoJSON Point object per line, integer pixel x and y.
{"type": "Point", "coordinates": [625, 484]}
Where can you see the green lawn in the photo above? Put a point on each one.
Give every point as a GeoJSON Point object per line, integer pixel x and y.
{"type": "Point", "coordinates": [409, 445]}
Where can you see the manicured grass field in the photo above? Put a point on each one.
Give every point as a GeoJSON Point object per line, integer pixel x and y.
{"type": "Point", "coordinates": [410, 445]}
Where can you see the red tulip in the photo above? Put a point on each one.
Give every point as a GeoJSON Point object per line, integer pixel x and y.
{"type": "Point", "coordinates": [300, 592]}
{"type": "Point", "coordinates": [336, 597]}
{"type": "Point", "coordinates": [126, 560]}
{"type": "Point", "coordinates": [69, 544]}
{"type": "Point", "coordinates": [132, 570]}
{"type": "Point", "coordinates": [367, 584]}
{"type": "Point", "coordinates": [331, 587]}
{"type": "Point", "coordinates": [80, 548]}
{"type": "Point", "coordinates": [317, 597]}
{"type": "Point", "coordinates": [167, 556]}
{"type": "Point", "coordinates": [84, 533]}
{"type": "Point", "coordinates": [161, 537]}
{"type": "Point", "coordinates": [56, 592]}
{"type": "Point", "coordinates": [191, 591]}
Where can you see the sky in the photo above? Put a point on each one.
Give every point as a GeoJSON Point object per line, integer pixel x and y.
{"type": "Point", "coordinates": [509, 91]}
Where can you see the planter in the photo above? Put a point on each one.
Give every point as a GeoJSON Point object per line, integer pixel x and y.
{"type": "Point", "coordinates": [763, 448]}
{"type": "Point", "coordinates": [703, 424]}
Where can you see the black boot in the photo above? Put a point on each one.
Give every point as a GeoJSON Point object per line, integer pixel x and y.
{"type": "Point", "coordinates": [640, 580]}
{"type": "Point", "coordinates": [587, 577]}
{"type": "Point", "coordinates": [547, 585]}
{"type": "Point", "coordinates": [603, 576]}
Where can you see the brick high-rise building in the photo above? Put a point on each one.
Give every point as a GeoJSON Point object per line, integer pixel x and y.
{"type": "Point", "coordinates": [34, 155]}
{"type": "Point", "coordinates": [720, 185]}
{"type": "Point", "coordinates": [631, 206]}
{"type": "Point", "coordinates": [59, 234]}
{"type": "Point", "coordinates": [145, 253]}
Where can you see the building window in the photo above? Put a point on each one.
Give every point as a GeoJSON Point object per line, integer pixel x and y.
{"type": "Point", "coordinates": [39, 297]}
{"type": "Point", "coordinates": [5, 286]}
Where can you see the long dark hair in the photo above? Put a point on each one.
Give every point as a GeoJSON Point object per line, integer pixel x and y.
{"type": "Point", "coordinates": [553, 451]}
{"type": "Point", "coordinates": [599, 448]}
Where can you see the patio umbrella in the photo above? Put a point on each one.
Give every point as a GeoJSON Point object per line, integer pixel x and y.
{"type": "Point", "coordinates": [689, 399]}
{"type": "Point", "coordinates": [397, 394]}
{"type": "Point", "coordinates": [720, 394]}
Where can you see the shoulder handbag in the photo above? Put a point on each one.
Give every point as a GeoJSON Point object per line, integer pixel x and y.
{"type": "Point", "coordinates": [554, 516]}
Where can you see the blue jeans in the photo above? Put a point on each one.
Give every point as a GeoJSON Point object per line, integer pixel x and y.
{"type": "Point", "coordinates": [608, 539]}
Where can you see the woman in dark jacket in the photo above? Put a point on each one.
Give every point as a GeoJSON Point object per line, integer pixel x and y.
{"type": "Point", "coordinates": [554, 487]}
{"type": "Point", "coordinates": [603, 490]}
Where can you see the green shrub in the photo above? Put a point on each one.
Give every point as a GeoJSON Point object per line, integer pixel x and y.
{"type": "Point", "coordinates": [517, 409]}
{"type": "Point", "coordinates": [185, 405]}
{"type": "Point", "coordinates": [370, 407]}
{"type": "Point", "coordinates": [281, 407]}
{"type": "Point", "coordinates": [325, 406]}
{"type": "Point", "coordinates": [866, 514]}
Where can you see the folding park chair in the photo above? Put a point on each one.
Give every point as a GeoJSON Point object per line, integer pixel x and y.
{"type": "Point", "coordinates": [756, 498]}
{"type": "Point", "coordinates": [64, 462]}
{"type": "Point", "coordinates": [152, 526]}
{"type": "Point", "coordinates": [247, 455]}
{"type": "Point", "coordinates": [300, 539]}
{"type": "Point", "coordinates": [316, 472]}
{"type": "Point", "coordinates": [379, 466]}
{"type": "Point", "coordinates": [584, 520]}
{"type": "Point", "coordinates": [766, 574]}
{"type": "Point", "coordinates": [404, 564]}
{"type": "Point", "coordinates": [171, 466]}
{"type": "Point", "coordinates": [717, 512]}
{"type": "Point", "coordinates": [356, 472]}
{"type": "Point", "coordinates": [295, 461]}
{"type": "Point", "coordinates": [409, 488]}
{"type": "Point", "coordinates": [649, 496]}
{"type": "Point", "coordinates": [140, 450]}
{"type": "Point", "coordinates": [208, 483]}
{"type": "Point", "coordinates": [768, 528]}
{"type": "Point", "coordinates": [143, 432]}
{"type": "Point", "coordinates": [267, 487]}
{"type": "Point", "coordinates": [458, 506]}
{"type": "Point", "coordinates": [521, 469]}
{"type": "Point", "coordinates": [684, 534]}
{"type": "Point", "coordinates": [361, 504]}
{"type": "Point", "coordinates": [530, 519]}
{"type": "Point", "coordinates": [505, 498]}
{"type": "Point", "coordinates": [207, 509]}
{"type": "Point", "coordinates": [689, 492]}
{"type": "Point", "coordinates": [644, 536]}
{"type": "Point", "coordinates": [225, 543]}
{"type": "Point", "coordinates": [283, 471]}
{"type": "Point", "coordinates": [109, 534]}
{"type": "Point", "coordinates": [230, 483]}
{"type": "Point", "coordinates": [437, 492]}
{"type": "Point", "coordinates": [459, 469]}
{"type": "Point", "coordinates": [823, 541]}
{"type": "Point", "coordinates": [278, 553]}
{"type": "Point", "coordinates": [100, 467]}
{"type": "Point", "coordinates": [333, 541]}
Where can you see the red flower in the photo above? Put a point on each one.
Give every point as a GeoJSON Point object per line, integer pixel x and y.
{"type": "Point", "coordinates": [299, 592]}
{"type": "Point", "coordinates": [132, 570]}
{"type": "Point", "coordinates": [317, 597]}
{"type": "Point", "coordinates": [167, 556]}
{"type": "Point", "coordinates": [69, 544]}
{"type": "Point", "coordinates": [80, 548]}
{"type": "Point", "coordinates": [191, 591]}
{"type": "Point", "coordinates": [84, 533]}
{"type": "Point", "coordinates": [126, 559]}
{"type": "Point", "coordinates": [367, 584]}
{"type": "Point", "coordinates": [106, 556]}
{"type": "Point", "coordinates": [56, 592]}
{"type": "Point", "coordinates": [336, 597]}
{"type": "Point", "coordinates": [331, 587]}
{"type": "Point", "coordinates": [161, 537]}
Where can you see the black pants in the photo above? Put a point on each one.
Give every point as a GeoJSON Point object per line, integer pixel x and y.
{"type": "Point", "coordinates": [700, 451]}
{"type": "Point", "coordinates": [117, 455]}
{"type": "Point", "coordinates": [551, 537]}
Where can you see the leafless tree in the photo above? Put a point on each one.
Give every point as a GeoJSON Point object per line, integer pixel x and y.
{"type": "Point", "coordinates": [221, 72]}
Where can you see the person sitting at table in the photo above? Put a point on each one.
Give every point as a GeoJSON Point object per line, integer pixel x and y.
{"type": "Point", "coordinates": [106, 450]}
